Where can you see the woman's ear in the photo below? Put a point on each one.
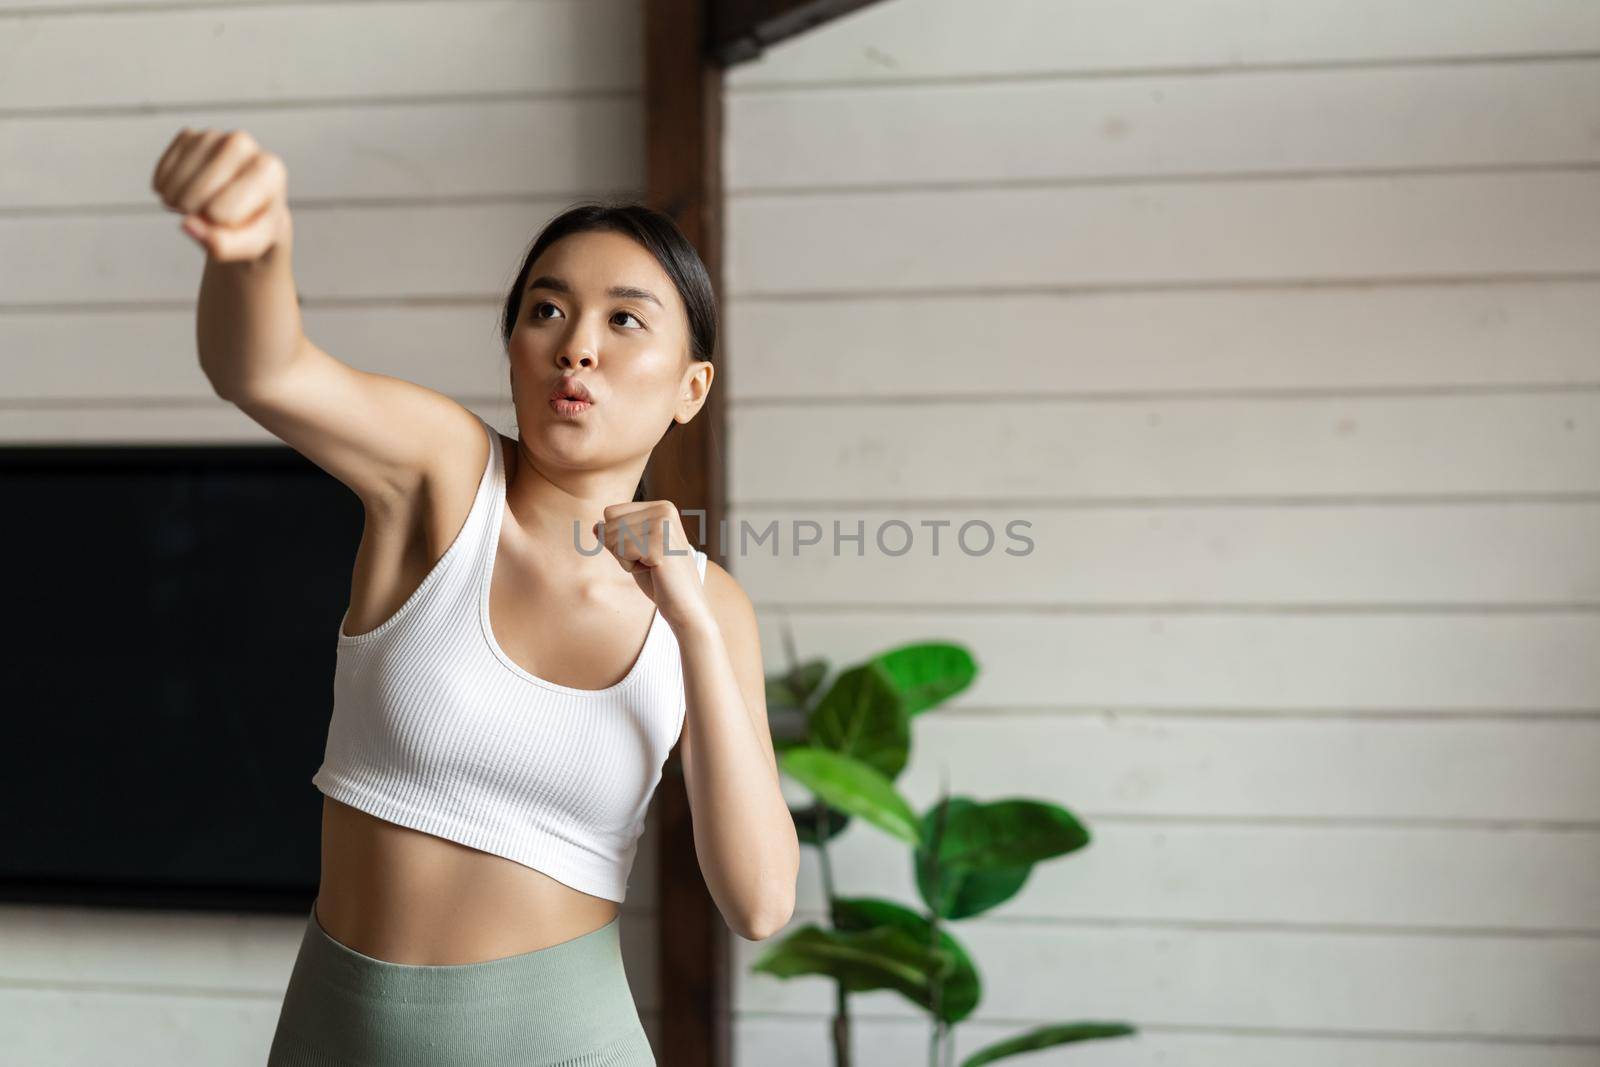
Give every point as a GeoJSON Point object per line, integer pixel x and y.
{"type": "Point", "coordinates": [698, 385]}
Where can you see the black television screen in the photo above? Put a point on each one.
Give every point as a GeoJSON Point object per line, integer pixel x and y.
{"type": "Point", "coordinates": [169, 649]}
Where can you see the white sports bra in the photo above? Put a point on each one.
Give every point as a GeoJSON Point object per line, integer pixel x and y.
{"type": "Point", "coordinates": [435, 728]}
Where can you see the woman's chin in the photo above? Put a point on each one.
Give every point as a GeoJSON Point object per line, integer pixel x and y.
{"type": "Point", "coordinates": [548, 426]}
{"type": "Point", "coordinates": [563, 448]}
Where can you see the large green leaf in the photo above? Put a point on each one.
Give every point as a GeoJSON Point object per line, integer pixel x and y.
{"type": "Point", "coordinates": [1046, 1037]}
{"type": "Point", "coordinates": [805, 823]}
{"type": "Point", "coordinates": [863, 716]}
{"type": "Point", "coordinates": [792, 688]}
{"type": "Point", "coordinates": [860, 960]}
{"type": "Point", "coordinates": [928, 673]}
{"type": "Point", "coordinates": [854, 787]}
{"type": "Point", "coordinates": [959, 893]}
{"type": "Point", "coordinates": [1008, 833]}
{"type": "Point", "coordinates": [962, 987]}
{"type": "Point", "coordinates": [986, 851]}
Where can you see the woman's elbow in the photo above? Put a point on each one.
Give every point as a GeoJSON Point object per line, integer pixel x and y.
{"type": "Point", "coordinates": [776, 911]}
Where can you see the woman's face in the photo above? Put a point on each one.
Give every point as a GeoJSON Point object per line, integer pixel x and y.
{"type": "Point", "coordinates": [598, 308]}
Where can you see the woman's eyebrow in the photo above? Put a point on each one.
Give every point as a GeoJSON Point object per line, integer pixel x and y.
{"type": "Point", "coordinates": [625, 292]}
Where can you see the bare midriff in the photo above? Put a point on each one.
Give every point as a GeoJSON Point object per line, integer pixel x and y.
{"type": "Point", "coordinates": [405, 896]}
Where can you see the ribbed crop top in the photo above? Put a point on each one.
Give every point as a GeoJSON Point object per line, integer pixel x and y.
{"type": "Point", "coordinates": [434, 727]}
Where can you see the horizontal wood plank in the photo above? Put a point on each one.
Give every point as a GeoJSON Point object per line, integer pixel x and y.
{"type": "Point", "coordinates": [340, 253]}
{"type": "Point", "coordinates": [1198, 449]}
{"type": "Point", "coordinates": [1423, 880]}
{"type": "Point", "coordinates": [1433, 338]}
{"type": "Point", "coordinates": [1269, 556]}
{"type": "Point", "coordinates": [124, 360]}
{"type": "Point", "coordinates": [249, 55]}
{"type": "Point", "coordinates": [1244, 662]}
{"type": "Point", "coordinates": [1170, 125]}
{"type": "Point", "coordinates": [1372, 228]}
{"type": "Point", "coordinates": [956, 39]}
{"type": "Point", "coordinates": [397, 149]}
{"type": "Point", "coordinates": [1260, 770]}
{"type": "Point", "coordinates": [802, 1041]}
{"type": "Point", "coordinates": [1335, 984]}
{"type": "Point", "coordinates": [200, 423]}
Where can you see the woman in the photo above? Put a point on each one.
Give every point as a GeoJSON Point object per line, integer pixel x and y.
{"type": "Point", "coordinates": [499, 722]}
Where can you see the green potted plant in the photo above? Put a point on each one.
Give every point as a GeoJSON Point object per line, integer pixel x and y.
{"type": "Point", "coordinates": [846, 745]}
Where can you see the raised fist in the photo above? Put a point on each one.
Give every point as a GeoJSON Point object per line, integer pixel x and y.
{"type": "Point", "coordinates": [232, 193]}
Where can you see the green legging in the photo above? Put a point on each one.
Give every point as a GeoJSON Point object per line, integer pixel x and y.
{"type": "Point", "coordinates": [567, 1005]}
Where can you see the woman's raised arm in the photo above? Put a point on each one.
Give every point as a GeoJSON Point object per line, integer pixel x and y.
{"type": "Point", "coordinates": [377, 434]}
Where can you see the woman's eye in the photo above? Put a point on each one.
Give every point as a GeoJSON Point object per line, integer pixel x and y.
{"type": "Point", "coordinates": [540, 305]}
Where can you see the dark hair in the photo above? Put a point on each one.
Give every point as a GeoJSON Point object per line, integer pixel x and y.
{"type": "Point", "coordinates": [659, 235]}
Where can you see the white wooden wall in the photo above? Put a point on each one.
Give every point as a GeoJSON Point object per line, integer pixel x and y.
{"type": "Point", "coordinates": [1281, 323]}
{"type": "Point", "coordinates": [427, 142]}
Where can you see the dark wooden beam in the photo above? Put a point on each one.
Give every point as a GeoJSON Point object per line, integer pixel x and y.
{"type": "Point", "coordinates": [683, 160]}
{"type": "Point", "coordinates": [741, 29]}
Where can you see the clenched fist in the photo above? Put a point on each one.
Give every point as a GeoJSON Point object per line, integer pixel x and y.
{"type": "Point", "coordinates": [232, 193]}
{"type": "Point", "coordinates": [647, 538]}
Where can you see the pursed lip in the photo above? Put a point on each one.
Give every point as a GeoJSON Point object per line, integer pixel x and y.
{"type": "Point", "coordinates": [571, 389]}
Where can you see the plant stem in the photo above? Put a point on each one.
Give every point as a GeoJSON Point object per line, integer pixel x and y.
{"type": "Point", "coordinates": [821, 811]}
{"type": "Point", "coordinates": [936, 990]}
{"type": "Point", "coordinates": [841, 1011]}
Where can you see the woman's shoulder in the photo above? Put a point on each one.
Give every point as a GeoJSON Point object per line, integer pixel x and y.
{"type": "Point", "coordinates": [729, 603]}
